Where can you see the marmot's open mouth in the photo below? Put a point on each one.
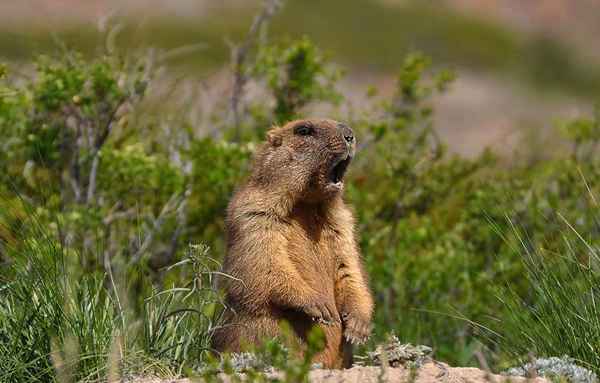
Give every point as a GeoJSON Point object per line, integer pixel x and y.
{"type": "Point", "coordinates": [339, 169]}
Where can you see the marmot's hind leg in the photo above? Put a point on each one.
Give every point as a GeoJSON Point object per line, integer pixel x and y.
{"type": "Point", "coordinates": [242, 333]}
{"type": "Point", "coordinates": [332, 356]}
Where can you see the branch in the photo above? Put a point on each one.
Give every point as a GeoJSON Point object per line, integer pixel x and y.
{"type": "Point", "coordinates": [129, 213]}
{"type": "Point", "coordinates": [180, 225]}
{"type": "Point", "coordinates": [238, 57]}
{"type": "Point", "coordinates": [172, 204]}
{"type": "Point", "coordinates": [74, 178]}
{"type": "Point", "coordinates": [98, 142]}
{"type": "Point", "coordinates": [76, 189]}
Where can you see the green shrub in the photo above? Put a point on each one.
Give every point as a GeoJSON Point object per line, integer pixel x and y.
{"type": "Point", "coordinates": [217, 168]}
{"type": "Point", "coordinates": [296, 73]}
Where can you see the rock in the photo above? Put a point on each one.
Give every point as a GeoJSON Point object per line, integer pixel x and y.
{"type": "Point", "coordinates": [245, 361]}
{"type": "Point", "coordinates": [564, 367]}
{"type": "Point", "coordinates": [395, 354]}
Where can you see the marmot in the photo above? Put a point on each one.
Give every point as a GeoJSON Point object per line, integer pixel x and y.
{"type": "Point", "coordinates": [291, 251]}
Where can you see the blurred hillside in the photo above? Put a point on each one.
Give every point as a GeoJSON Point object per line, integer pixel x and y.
{"type": "Point", "coordinates": [519, 64]}
{"type": "Point", "coordinates": [574, 22]}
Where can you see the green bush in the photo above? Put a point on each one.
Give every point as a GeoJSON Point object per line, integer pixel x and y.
{"type": "Point", "coordinates": [217, 167]}
{"type": "Point", "coordinates": [296, 74]}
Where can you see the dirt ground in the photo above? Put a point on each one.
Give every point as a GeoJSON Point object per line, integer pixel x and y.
{"type": "Point", "coordinates": [430, 372]}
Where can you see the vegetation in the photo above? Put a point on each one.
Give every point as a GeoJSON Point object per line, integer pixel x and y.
{"type": "Point", "coordinates": [559, 313]}
{"type": "Point", "coordinates": [364, 34]}
{"type": "Point", "coordinates": [110, 207]}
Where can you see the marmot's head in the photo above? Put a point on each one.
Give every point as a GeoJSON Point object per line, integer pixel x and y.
{"type": "Point", "coordinates": [306, 158]}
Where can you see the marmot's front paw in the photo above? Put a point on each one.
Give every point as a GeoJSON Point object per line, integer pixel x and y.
{"type": "Point", "coordinates": [356, 329]}
{"type": "Point", "coordinates": [322, 310]}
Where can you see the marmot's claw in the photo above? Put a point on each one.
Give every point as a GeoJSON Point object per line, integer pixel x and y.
{"type": "Point", "coordinates": [355, 340]}
{"type": "Point", "coordinates": [356, 330]}
{"type": "Point", "coordinates": [323, 321]}
{"type": "Point", "coordinates": [323, 312]}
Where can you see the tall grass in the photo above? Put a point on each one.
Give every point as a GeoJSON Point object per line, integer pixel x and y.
{"type": "Point", "coordinates": [561, 313]}
{"type": "Point", "coordinates": [59, 323]}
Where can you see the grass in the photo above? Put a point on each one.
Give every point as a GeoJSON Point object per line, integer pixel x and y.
{"type": "Point", "coordinates": [561, 314]}
{"type": "Point", "coordinates": [58, 323]}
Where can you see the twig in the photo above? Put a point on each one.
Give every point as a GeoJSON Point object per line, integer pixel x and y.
{"type": "Point", "coordinates": [484, 365]}
{"type": "Point", "coordinates": [239, 54]}
{"type": "Point", "coordinates": [109, 219]}
{"type": "Point", "coordinates": [76, 188]}
{"type": "Point", "coordinates": [74, 168]}
{"type": "Point", "coordinates": [92, 180]}
{"type": "Point", "coordinates": [172, 204]}
{"type": "Point", "coordinates": [180, 224]}
{"type": "Point", "coordinates": [98, 142]}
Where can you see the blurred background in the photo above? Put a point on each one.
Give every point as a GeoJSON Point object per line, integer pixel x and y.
{"type": "Point", "coordinates": [519, 64]}
{"type": "Point", "coordinates": [127, 125]}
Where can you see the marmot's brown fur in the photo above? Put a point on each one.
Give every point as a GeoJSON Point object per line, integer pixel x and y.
{"type": "Point", "coordinates": [291, 250]}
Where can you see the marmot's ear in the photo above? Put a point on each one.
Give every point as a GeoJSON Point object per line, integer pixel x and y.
{"type": "Point", "coordinates": [274, 138]}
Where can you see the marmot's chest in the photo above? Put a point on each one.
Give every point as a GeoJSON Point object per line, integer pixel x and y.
{"type": "Point", "coordinates": [312, 249]}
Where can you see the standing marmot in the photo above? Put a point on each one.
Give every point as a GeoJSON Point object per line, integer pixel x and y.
{"type": "Point", "coordinates": [291, 246]}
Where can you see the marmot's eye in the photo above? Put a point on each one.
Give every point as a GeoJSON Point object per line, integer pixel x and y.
{"type": "Point", "coordinates": [304, 130]}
